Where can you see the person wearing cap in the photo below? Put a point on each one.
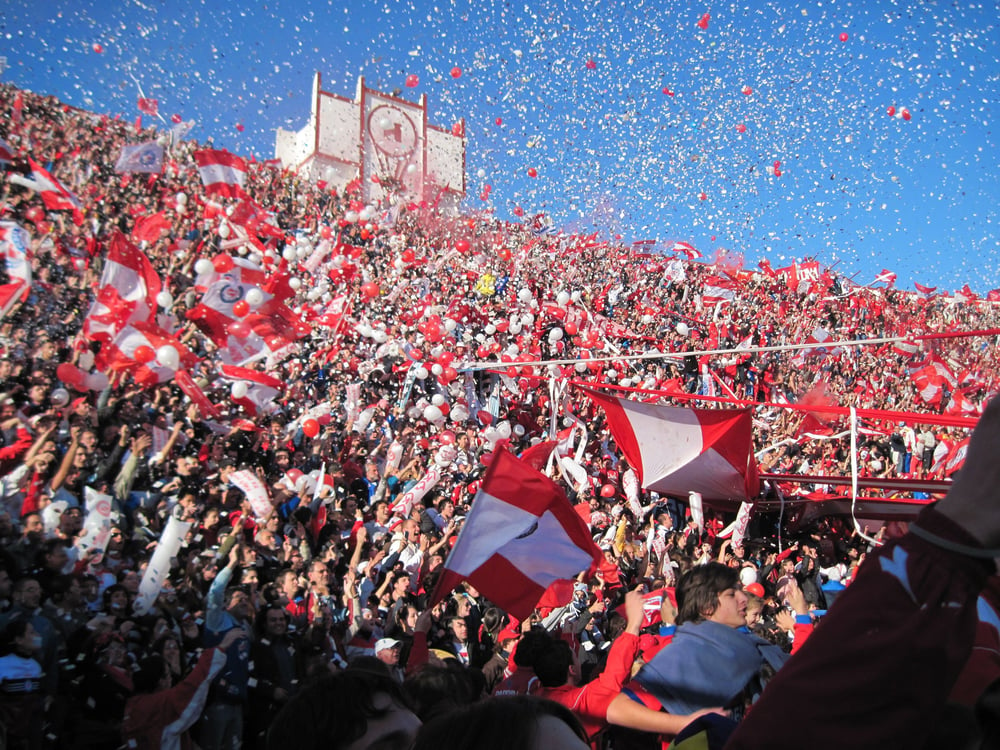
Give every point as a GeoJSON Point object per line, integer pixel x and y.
{"type": "Point", "coordinates": [387, 651]}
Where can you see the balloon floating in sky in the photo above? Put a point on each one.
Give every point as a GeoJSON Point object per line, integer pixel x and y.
{"type": "Point", "coordinates": [499, 121]}
{"type": "Point", "coordinates": [456, 72]}
{"type": "Point", "coordinates": [703, 21]}
{"type": "Point", "coordinates": [412, 80]}
{"type": "Point", "coordinates": [239, 127]}
{"type": "Point", "coordinates": [175, 119]}
{"type": "Point", "coordinates": [891, 111]}
{"type": "Point", "coordinates": [97, 48]}
{"type": "Point", "coordinates": [591, 64]}
{"type": "Point", "coordinates": [741, 128]}
{"type": "Point", "coordinates": [532, 172]}
{"type": "Point", "coordinates": [746, 91]}
{"type": "Point", "coordinates": [667, 91]}
{"type": "Point", "coordinates": [844, 36]}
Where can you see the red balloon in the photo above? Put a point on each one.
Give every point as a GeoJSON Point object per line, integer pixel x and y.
{"type": "Point", "coordinates": [35, 214]}
{"type": "Point", "coordinates": [747, 91]}
{"type": "Point", "coordinates": [144, 354]}
{"type": "Point", "coordinates": [608, 490]}
{"type": "Point", "coordinates": [412, 80]}
{"type": "Point", "coordinates": [370, 290]}
{"type": "Point", "coordinates": [532, 172]}
{"type": "Point", "coordinates": [844, 36]}
{"type": "Point", "coordinates": [571, 329]}
{"type": "Point", "coordinates": [239, 127]}
{"type": "Point", "coordinates": [240, 329]}
{"type": "Point", "coordinates": [447, 437]}
{"type": "Point", "coordinates": [891, 111]}
{"type": "Point", "coordinates": [741, 128]}
{"type": "Point", "coordinates": [310, 427]}
{"type": "Point", "coordinates": [445, 408]}
{"type": "Point", "coordinates": [97, 48]}
{"type": "Point", "coordinates": [905, 113]}
{"type": "Point", "coordinates": [223, 263]}
{"type": "Point", "coordinates": [667, 91]}
{"type": "Point", "coordinates": [175, 119]}
{"type": "Point", "coordinates": [518, 211]}
{"type": "Point", "coordinates": [591, 64]}
{"type": "Point", "coordinates": [408, 255]}
{"type": "Point", "coordinates": [755, 588]}
{"type": "Point", "coordinates": [241, 308]}
{"type": "Point", "coordinates": [463, 246]}
{"type": "Point", "coordinates": [456, 72]}
{"type": "Point", "coordinates": [499, 121]}
{"type": "Point", "coordinates": [703, 21]}
{"type": "Point", "coordinates": [71, 375]}
{"type": "Point", "coordinates": [449, 373]}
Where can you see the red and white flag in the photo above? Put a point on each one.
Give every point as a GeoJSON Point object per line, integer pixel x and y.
{"type": "Point", "coordinates": [15, 246]}
{"type": "Point", "coordinates": [717, 290]}
{"type": "Point", "coordinates": [126, 294]}
{"type": "Point", "coordinates": [686, 249]}
{"type": "Point", "coordinates": [148, 106]}
{"type": "Point", "coordinates": [521, 535]}
{"type": "Point", "coordinates": [927, 291]}
{"type": "Point", "coordinates": [221, 172]}
{"type": "Point", "coordinates": [930, 378]}
{"type": "Point", "coordinates": [7, 152]}
{"type": "Point", "coordinates": [55, 195]}
{"type": "Point", "coordinates": [677, 450]}
{"type": "Point", "coordinates": [885, 277]}
{"type": "Point", "coordinates": [130, 351]}
{"type": "Point", "coordinates": [965, 294]}
{"type": "Point", "coordinates": [262, 389]}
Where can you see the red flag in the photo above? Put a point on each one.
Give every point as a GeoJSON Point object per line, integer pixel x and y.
{"type": "Point", "coordinates": [120, 354]}
{"type": "Point", "coordinates": [150, 228]}
{"type": "Point", "coordinates": [221, 172]}
{"type": "Point", "coordinates": [686, 249]}
{"type": "Point", "coordinates": [148, 106]}
{"type": "Point", "coordinates": [55, 195]}
{"type": "Point", "coordinates": [521, 535]}
{"type": "Point", "coordinates": [885, 277]}
{"type": "Point", "coordinates": [927, 291]}
{"type": "Point", "coordinates": [261, 388]}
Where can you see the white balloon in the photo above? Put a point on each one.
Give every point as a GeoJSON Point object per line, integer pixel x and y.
{"type": "Point", "coordinates": [295, 283]}
{"type": "Point", "coordinates": [168, 356]}
{"type": "Point", "coordinates": [224, 231]}
{"type": "Point", "coordinates": [254, 296]}
{"type": "Point", "coordinates": [97, 381]}
{"type": "Point", "coordinates": [504, 429]}
{"type": "Point", "coordinates": [436, 369]}
{"type": "Point", "coordinates": [490, 329]}
{"type": "Point", "coordinates": [527, 319]}
{"type": "Point", "coordinates": [459, 413]}
{"type": "Point", "coordinates": [181, 198]}
{"type": "Point", "coordinates": [562, 299]}
{"type": "Point", "coordinates": [575, 296]}
{"type": "Point", "coordinates": [86, 360]}
{"type": "Point", "coordinates": [59, 397]}
{"type": "Point", "coordinates": [164, 300]}
{"type": "Point", "coordinates": [433, 414]}
{"type": "Point", "coordinates": [515, 328]}
{"type": "Point", "coordinates": [420, 373]}
{"type": "Point", "coordinates": [580, 366]}
{"type": "Point", "coordinates": [480, 173]}
{"type": "Point", "coordinates": [646, 319]}
{"type": "Point", "coordinates": [414, 412]}
{"type": "Point", "coordinates": [203, 266]}
{"type": "Point", "coordinates": [351, 216]}
{"type": "Point", "coordinates": [380, 337]}
{"type": "Point", "coordinates": [437, 399]}
{"type": "Point", "coordinates": [524, 295]}
{"type": "Point", "coordinates": [289, 253]}
{"type": "Point", "coordinates": [303, 252]}
{"type": "Point", "coordinates": [241, 250]}
{"type": "Point", "coordinates": [239, 389]}
{"type": "Point", "coordinates": [682, 328]}
{"type": "Point", "coordinates": [519, 430]}
{"type": "Point", "coordinates": [255, 258]}
{"type": "Point", "coordinates": [555, 334]}
{"type": "Point", "coordinates": [450, 325]}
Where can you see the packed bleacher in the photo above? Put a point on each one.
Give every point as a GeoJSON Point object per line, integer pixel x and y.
{"type": "Point", "coordinates": [240, 434]}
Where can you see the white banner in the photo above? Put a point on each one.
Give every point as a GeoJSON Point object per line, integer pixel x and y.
{"type": "Point", "coordinates": [255, 491]}
{"type": "Point", "coordinates": [159, 565]}
{"type": "Point", "coordinates": [742, 521]}
{"type": "Point", "coordinates": [697, 512]}
{"type": "Point", "coordinates": [416, 493]}
{"type": "Point", "coordinates": [97, 525]}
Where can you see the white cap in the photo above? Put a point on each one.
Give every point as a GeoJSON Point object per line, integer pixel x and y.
{"type": "Point", "coordinates": [384, 643]}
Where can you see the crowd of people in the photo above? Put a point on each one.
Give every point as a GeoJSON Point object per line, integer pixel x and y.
{"type": "Point", "coordinates": [410, 348]}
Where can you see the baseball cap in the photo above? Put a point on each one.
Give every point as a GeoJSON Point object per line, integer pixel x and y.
{"type": "Point", "coordinates": [384, 643]}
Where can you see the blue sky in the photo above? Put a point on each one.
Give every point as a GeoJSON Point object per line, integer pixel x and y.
{"type": "Point", "coordinates": [858, 188]}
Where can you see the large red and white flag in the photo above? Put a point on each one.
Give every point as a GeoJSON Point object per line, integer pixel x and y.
{"type": "Point", "coordinates": [221, 172]}
{"type": "Point", "coordinates": [127, 291]}
{"type": "Point", "coordinates": [686, 249]}
{"type": "Point", "coordinates": [676, 450]}
{"type": "Point", "coordinates": [521, 535]}
{"type": "Point", "coordinates": [717, 289]}
{"type": "Point", "coordinates": [926, 291]}
{"type": "Point", "coordinates": [930, 378]}
{"type": "Point", "coordinates": [15, 245]}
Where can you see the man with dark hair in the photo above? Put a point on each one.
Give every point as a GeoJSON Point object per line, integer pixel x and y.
{"type": "Point", "coordinates": [711, 660]}
{"type": "Point", "coordinates": [351, 709]}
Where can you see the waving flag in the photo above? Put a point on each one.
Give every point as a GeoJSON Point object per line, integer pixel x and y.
{"type": "Point", "coordinates": [262, 389]}
{"type": "Point", "coordinates": [885, 277]}
{"type": "Point", "coordinates": [146, 158]}
{"type": "Point", "coordinates": [686, 249]}
{"type": "Point", "coordinates": [148, 106]}
{"type": "Point", "coordinates": [930, 378]}
{"type": "Point", "coordinates": [521, 535]}
{"type": "Point", "coordinates": [7, 152]}
{"type": "Point", "coordinates": [717, 290]}
{"type": "Point", "coordinates": [127, 291]}
{"type": "Point", "coordinates": [677, 450]}
{"type": "Point", "coordinates": [55, 195]}
{"type": "Point", "coordinates": [927, 291]}
{"type": "Point", "coordinates": [14, 246]}
{"type": "Point", "coordinates": [221, 172]}
{"type": "Point", "coordinates": [150, 228]}
{"type": "Point", "coordinates": [123, 353]}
